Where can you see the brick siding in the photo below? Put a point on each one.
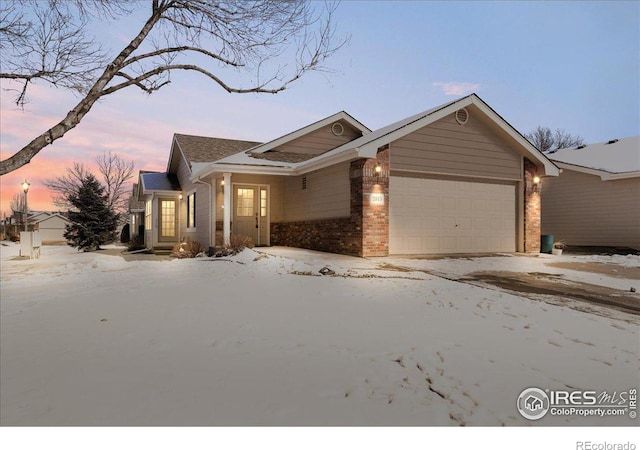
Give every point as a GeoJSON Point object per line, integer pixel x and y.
{"type": "Point", "coordinates": [532, 205]}
{"type": "Point", "coordinates": [364, 233]}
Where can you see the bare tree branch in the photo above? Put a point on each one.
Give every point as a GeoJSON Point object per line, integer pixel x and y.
{"type": "Point", "coordinates": [546, 141]}
{"type": "Point", "coordinates": [115, 175]}
{"type": "Point", "coordinates": [53, 44]}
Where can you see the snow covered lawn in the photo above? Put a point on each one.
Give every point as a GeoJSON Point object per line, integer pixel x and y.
{"type": "Point", "coordinates": [262, 339]}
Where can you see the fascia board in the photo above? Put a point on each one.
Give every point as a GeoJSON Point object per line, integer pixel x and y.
{"type": "Point", "coordinates": [240, 168]}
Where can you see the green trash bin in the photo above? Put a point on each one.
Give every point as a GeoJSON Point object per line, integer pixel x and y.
{"type": "Point", "coordinates": [546, 243]}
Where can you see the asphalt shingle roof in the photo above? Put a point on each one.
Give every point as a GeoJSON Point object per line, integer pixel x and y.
{"type": "Point", "coordinates": [208, 149]}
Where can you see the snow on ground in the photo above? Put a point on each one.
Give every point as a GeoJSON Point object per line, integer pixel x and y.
{"type": "Point", "coordinates": [262, 339]}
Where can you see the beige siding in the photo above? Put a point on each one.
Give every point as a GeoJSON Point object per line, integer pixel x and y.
{"type": "Point", "coordinates": [202, 231]}
{"type": "Point", "coordinates": [328, 195]}
{"type": "Point", "coordinates": [275, 190]}
{"type": "Point", "coordinates": [320, 141]}
{"type": "Point", "coordinates": [446, 147]}
{"type": "Point", "coordinates": [581, 209]}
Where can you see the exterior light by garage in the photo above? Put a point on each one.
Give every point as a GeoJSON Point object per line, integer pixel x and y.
{"type": "Point", "coordinates": [536, 180]}
{"type": "Point", "coordinates": [378, 168]}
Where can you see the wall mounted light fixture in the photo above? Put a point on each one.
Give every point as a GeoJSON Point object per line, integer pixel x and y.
{"type": "Point", "coordinates": [534, 184]}
{"type": "Point", "coordinates": [378, 169]}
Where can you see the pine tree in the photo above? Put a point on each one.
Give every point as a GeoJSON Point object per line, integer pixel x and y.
{"type": "Point", "coordinates": [93, 222]}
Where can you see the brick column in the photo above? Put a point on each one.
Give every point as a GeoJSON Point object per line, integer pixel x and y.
{"type": "Point", "coordinates": [532, 206]}
{"type": "Point", "coordinates": [370, 219]}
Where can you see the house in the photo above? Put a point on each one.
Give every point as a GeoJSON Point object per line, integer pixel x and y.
{"type": "Point", "coordinates": [51, 226]}
{"type": "Point", "coordinates": [456, 178]}
{"type": "Point", "coordinates": [595, 200]}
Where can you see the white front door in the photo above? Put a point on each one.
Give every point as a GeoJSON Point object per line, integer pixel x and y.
{"type": "Point", "coordinates": [251, 212]}
{"type": "Point", "coordinates": [167, 220]}
{"type": "Point", "coordinates": [450, 216]}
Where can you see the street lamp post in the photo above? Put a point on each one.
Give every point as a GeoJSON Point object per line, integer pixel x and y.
{"type": "Point", "coordinates": [25, 189]}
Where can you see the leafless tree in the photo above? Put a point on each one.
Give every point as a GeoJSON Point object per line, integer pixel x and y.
{"type": "Point", "coordinates": [546, 140]}
{"type": "Point", "coordinates": [253, 41]}
{"type": "Point", "coordinates": [115, 173]}
{"type": "Point", "coordinates": [18, 205]}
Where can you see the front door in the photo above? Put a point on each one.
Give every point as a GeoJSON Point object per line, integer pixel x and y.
{"type": "Point", "coordinates": [168, 220]}
{"type": "Point", "coordinates": [251, 212]}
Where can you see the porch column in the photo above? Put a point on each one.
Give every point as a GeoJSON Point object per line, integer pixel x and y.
{"type": "Point", "coordinates": [213, 197]}
{"type": "Point", "coordinates": [226, 228]}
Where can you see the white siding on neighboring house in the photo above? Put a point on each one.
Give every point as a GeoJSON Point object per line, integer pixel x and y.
{"type": "Point", "coordinates": [327, 195]}
{"type": "Point", "coordinates": [52, 229]}
{"type": "Point", "coordinates": [446, 147]}
{"type": "Point", "coordinates": [581, 209]}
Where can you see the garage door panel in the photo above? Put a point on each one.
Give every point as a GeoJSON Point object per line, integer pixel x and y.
{"type": "Point", "coordinates": [450, 216]}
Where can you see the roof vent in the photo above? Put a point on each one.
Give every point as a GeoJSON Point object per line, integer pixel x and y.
{"type": "Point", "coordinates": [612, 141]}
{"type": "Point", "coordinates": [581, 146]}
{"type": "Point", "coordinates": [337, 129]}
{"type": "Point", "coordinates": [462, 116]}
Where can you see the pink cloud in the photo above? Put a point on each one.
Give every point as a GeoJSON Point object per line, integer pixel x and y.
{"type": "Point", "coordinates": [456, 88]}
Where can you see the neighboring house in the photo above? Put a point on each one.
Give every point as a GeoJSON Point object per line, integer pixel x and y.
{"type": "Point", "coordinates": [454, 179]}
{"type": "Point", "coordinates": [136, 210]}
{"type": "Point", "coordinates": [596, 199]}
{"type": "Point", "coordinates": [51, 227]}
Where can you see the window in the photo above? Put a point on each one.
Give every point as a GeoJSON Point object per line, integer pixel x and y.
{"type": "Point", "coordinates": [191, 210]}
{"type": "Point", "coordinates": [263, 203]}
{"type": "Point", "coordinates": [168, 218]}
{"type": "Point", "coordinates": [147, 215]}
{"type": "Point", "coordinates": [245, 202]}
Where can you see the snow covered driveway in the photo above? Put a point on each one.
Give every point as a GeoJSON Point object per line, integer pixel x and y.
{"type": "Point", "coordinates": [91, 339]}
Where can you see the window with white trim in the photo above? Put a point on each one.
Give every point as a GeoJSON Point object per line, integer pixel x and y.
{"type": "Point", "coordinates": [147, 215]}
{"type": "Point", "coordinates": [263, 203]}
{"type": "Point", "coordinates": [245, 202]}
{"type": "Point", "coordinates": [191, 210]}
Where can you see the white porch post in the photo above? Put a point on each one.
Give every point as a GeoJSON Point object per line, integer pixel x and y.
{"type": "Point", "coordinates": [213, 196]}
{"type": "Point", "coordinates": [227, 209]}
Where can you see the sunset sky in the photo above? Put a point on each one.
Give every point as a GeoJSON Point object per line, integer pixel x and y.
{"type": "Point", "coordinates": [571, 65]}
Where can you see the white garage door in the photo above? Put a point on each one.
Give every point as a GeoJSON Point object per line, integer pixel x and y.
{"type": "Point", "coordinates": [445, 216]}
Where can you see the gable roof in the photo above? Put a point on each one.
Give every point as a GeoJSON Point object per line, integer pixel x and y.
{"type": "Point", "coordinates": [342, 115]}
{"type": "Point", "coordinates": [367, 146]}
{"type": "Point", "coordinates": [201, 149]}
{"type": "Point", "coordinates": [51, 216]}
{"type": "Point", "coordinates": [614, 159]}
